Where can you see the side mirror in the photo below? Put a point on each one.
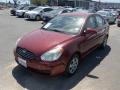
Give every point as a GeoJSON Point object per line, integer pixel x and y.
{"type": "Point", "coordinates": [43, 23]}
{"type": "Point", "coordinates": [90, 31]}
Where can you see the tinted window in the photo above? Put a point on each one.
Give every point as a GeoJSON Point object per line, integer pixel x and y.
{"type": "Point", "coordinates": [65, 11]}
{"type": "Point", "coordinates": [31, 8]}
{"type": "Point", "coordinates": [100, 21]}
{"type": "Point", "coordinates": [47, 9]}
{"type": "Point", "coordinates": [91, 23]}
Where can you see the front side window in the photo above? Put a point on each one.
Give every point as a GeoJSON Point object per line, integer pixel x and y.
{"type": "Point", "coordinates": [65, 24]}
{"type": "Point", "coordinates": [31, 8]}
{"type": "Point", "coordinates": [91, 23]}
{"type": "Point", "coordinates": [100, 21]}
{"type": "Point", "coordinates": [47, 9]}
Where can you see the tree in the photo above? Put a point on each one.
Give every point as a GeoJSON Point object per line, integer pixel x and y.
{"type": "Point", "coordinates": [39, 2]}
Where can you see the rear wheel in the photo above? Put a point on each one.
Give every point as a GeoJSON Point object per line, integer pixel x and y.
{"type": "Point", "coordinates": [118, 25]}
{"type": "Point", "coordinates": [72, 65]}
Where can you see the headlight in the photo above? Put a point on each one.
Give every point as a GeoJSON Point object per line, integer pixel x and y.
{"type": "Point", "coordinates": [52, 55]}
{"type": "Point", "coordinates": [18, 40]}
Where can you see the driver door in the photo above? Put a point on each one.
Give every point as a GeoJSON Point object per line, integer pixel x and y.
{"type": "Point", "coordinates": [89, 39]}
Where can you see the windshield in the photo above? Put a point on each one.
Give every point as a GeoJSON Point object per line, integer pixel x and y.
{"type": "Point", "coordinates": [37, 9]}
{"type": "Point", "coordinates": [65, 24]}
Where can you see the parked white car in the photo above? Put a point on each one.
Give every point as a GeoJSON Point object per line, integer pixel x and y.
{"type": "Point", "coordinates": [36, 13]}
{"type": "Point", "coordinates": [20, 13]}
{"type": "Point", "coordinates": [108, 16]}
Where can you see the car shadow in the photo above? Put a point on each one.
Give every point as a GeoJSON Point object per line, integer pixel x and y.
{"type": "Point", "coordinates": [35, 81]}
{"type": "Point", "coordinates": [32, 20]}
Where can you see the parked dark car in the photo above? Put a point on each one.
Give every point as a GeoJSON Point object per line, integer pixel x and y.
{"type": "Point", "coordinates": [48, 16]}
{"type": "Point", "coordinates": [59, 45]}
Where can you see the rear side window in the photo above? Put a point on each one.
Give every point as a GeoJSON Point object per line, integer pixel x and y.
{"type": "Point", "coordinates": [100, 21]}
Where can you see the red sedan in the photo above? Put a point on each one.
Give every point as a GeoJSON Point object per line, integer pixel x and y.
{"type": "Point", "coordinates": [61, 43]}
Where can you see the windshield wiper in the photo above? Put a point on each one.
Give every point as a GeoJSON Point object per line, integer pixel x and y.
{"type": "Point", "coordinates": [55, 30]}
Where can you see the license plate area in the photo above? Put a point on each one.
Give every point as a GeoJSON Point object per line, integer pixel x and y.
{"type": "Point", "coordinates": [22, 62]}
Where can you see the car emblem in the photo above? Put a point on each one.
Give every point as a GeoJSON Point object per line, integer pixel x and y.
{"type": "Point", "coordinates": [24, 51]}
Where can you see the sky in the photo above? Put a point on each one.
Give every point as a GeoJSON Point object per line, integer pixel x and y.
{"type": "Point", "coordinates": [115, 1]}
{"type": "Point", "coordinates": [22, 1]}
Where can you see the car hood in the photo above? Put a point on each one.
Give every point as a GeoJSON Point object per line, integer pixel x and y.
{"type": "Point", "coordinates": [32, 12]}
{"type": "Point", "coordinates": [40, 41]}
{"type": "Point", "coordinates": [51, 14]}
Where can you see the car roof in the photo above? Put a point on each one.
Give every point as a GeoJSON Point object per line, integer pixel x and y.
{"type": "Point", "coordinates": [43, 7]}
{"type": "Point", "coordinates": [82, 14]}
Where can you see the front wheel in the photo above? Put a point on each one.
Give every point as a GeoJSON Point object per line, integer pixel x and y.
{"type": "Point", "coordinates": [72, 65]}
{"type": "Point", "coordinates": [118, 25]}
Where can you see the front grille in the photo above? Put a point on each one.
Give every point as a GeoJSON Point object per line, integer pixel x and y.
{"type": "Point", "coordinates": [25, 54]}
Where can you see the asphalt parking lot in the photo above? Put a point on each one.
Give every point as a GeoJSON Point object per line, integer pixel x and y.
{"type": "Point", "coordinates": [99, 71]}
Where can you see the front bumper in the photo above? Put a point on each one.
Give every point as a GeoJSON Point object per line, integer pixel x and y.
{"type": "Point", "coordinates": [51, 69]}
{"type": "Point", "coordinates": [20, 14]}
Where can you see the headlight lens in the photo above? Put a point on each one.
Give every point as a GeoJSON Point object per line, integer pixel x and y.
{"type": "Point", "coordinates": [18, 40]}
{"type": "Point", "coordinates": [52, 55]}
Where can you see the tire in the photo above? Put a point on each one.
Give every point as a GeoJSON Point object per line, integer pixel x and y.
{"type": "Point", "coordinates": [104, 43]}
{"type": "Point", "coordinates": [72, 65]}
{"type": "Point", "coordinates": [118, 25]}
{"type": "Point", "coordinates": [23, 15]}
{"type": "Point", "coordinates": [37, 17]}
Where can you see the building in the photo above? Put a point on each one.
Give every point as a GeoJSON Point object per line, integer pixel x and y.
{"type": "Point", "coordinates": [77, 3]}
{"type": "Point", "coordinates": [110, 5]}
{"type": "Point", "coordinates": [86, 4]}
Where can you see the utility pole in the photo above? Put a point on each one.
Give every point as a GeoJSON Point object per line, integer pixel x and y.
{"type": "Point", "coordinates": [6, 3]}
{"type": "Point", "coordinates": [99, 4]}
{"type": "Point", "coordinates": [57, 2]}
{"type": "Point", "coordinates": [75, 2]}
